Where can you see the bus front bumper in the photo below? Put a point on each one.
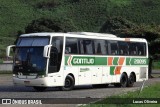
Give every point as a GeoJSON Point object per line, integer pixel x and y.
{"type": "Point", "coordinates": [43, 82]}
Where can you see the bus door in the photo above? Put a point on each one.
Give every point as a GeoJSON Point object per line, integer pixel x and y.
{"type": "Point", "coordinates": [54, 65]}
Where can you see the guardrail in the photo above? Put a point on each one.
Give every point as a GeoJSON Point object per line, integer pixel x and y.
{"type": "Point", "coordinates": [6, 66]}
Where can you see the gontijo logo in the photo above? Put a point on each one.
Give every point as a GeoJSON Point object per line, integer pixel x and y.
{"type": "Point", "coordinates": [81, 60]}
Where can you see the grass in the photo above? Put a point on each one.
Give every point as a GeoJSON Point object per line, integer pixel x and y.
{"type": "Point", "coordinates": [156, 65]}
{"type": "Point", "coordinates": [5, 72]}
{"type": "Point", "coordinates": [147, 93]}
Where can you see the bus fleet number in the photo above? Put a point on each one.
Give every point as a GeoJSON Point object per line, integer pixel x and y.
{"type": "Point", "coordinates": [140, 61]}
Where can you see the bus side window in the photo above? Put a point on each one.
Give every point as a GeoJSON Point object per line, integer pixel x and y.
{"type": "Point", "coordinates": [141, 49]}
{"type": "Point", "coordinates": [88, 46]}
{"type": "Point", "coordinates": [100, 47]}
{"type": "Point", "coordinates": [133, 49]}
{"type": "Point", "coordinates": [71, 46]}
{"type": "Point", "coordinates": [114, 48]}
{"type": "Point", "coordinates": [123, 48]}
{"type": "Point", "coordinates": [97, 46]}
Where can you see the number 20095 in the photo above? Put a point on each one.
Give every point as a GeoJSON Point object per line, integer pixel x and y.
{"type": "Point", "coordinates": [140, 61]}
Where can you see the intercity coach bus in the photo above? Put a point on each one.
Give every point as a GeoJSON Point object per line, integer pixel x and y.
{"type": "Point", "coordinates": [65, 60]}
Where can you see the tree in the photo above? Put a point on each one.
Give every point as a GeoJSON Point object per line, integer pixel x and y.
{"type": "Point", "coordinates": [124, 28]}
{"type": "Point", "coordinates": [115, 25]}
{"type": "Point", "coordinates": [50, 25]}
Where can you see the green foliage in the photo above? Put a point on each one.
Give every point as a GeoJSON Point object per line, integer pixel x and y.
{"type": "Point", "coordinates": [50, 25]}
{"type": "Point", "coordinates": [124, 28]}
{"type": "Point", "coordinates": [84, 15]}
{"type": "Point", "coordinates": [116, 25]}
{"type": "Point", "coordinates": [49, 5]}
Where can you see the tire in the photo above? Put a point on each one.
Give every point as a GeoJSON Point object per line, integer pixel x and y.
{"type": "Point", "coordinates": [124, 80]}
{"type": "Point", "coordinates": [131, 80]}
{"type": "Point", "coordinates": [39, 89]}
{"type": "Point", "coordinates": [100, 85]}
{"type": "Point", "coordinates": [69, 83]}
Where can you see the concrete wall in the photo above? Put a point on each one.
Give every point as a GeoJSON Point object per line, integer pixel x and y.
{"type": "Point", "coordinates": [6, 67]}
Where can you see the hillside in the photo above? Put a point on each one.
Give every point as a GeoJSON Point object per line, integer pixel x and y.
{"type": "Point", "coordinates": [87, 15]}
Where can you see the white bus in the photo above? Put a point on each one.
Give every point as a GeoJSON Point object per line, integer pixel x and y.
{"type": "Point", "coordinates": [70, 59]}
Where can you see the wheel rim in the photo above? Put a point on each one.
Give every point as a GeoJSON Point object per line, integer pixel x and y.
{"type": "Point", "coordinates": [123, 81]}
{"type": "Point", "coordinates": [68, 83]}
{"type": "Point", "coordinates": [131, 79]}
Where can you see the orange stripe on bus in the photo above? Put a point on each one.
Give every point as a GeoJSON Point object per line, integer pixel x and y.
{"type": "Point", "coordinates": [118, 70]}
{"type": "Point", "coordinates": [121, 60]}
{"type": "Point", "coordinates": [110, 59]}
{"type": "Point", "coordinates": [69, 61]}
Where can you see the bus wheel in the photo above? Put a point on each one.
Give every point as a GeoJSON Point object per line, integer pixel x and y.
{"type": "Point", "coordinates": [131, 80]}
{"type": "Point", "coordinates": [69, 83]}
{"type": "Point", "coordinates": [40, 89]}
{"type": "Point", "coordinates": [124, 80]}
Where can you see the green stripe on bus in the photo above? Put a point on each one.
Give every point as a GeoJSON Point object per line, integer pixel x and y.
{"type": "Point", "coordinates": [128, 61]}
{"type": "Point", "coordinates": [66, 60]}
{"type": "Point", "coordinates": [112, 68]}
{"type": "Point", "coordinates": [91, 61]}
{"type": "Point", "coordinates": [136, 61]}
{"type": "Point", "coordinates": [78, 60]}
{"type": "Point", "coordinates": [100, 60]}
{"type": "Point", "coordinates": [115, 60]}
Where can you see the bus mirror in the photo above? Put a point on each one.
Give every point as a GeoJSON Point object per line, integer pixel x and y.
{"type": "Point", "coordinates": [46, 51]}
{"type": "Point", "coordinates": [8, 50]}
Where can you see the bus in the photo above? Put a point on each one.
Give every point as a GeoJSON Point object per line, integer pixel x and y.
{"type": "Point", "coordinates": [66, 60]}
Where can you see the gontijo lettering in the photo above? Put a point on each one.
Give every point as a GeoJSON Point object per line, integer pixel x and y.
{"type": "Point", "coordinates": [83, 61]}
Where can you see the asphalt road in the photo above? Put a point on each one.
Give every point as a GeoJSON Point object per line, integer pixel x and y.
{"type": "Point", "coordinates": [8, 90]}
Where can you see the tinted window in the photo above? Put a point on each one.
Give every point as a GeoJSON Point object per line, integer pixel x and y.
{"type": "Point", "coordinates": [86, 46]}
{"type": "Point", "coordinates": [71, 46]}
{"type": "Point", "coordinates": [30, 41]}
{"type": "Point", "coordinates": [100, 47]}
{"type": "Point", "coordinates": [132, 49]}
{"type": "Point", "coordinates": [123, 48]}
{"type": "Point", "coordinates": [141, 48]}
{"type": "Point", "coordinates": [114, 48]}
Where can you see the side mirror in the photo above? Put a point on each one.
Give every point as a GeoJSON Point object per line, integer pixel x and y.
{"type": "Point", "coordinates": [8, 50]}
{"type": "Point", "coordinates": [46, 51]}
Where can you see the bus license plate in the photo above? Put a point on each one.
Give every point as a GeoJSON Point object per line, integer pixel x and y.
{"type": "Point", "coordinates": [26, 82]}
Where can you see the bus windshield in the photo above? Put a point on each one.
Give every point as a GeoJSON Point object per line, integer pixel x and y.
{"type": "Point", "coordinates": [29, 60]}
{"type": "Point", "coordinates": [29, 56]}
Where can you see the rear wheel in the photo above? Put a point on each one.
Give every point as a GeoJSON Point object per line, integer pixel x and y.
{"type": "Point", "coordinates": [69, 83]}
{"type": "Point", "coordinates": [40, 89]}
{"type": "Point", "coordinates": [124, 80]}
{"type": "Point", "coordinates": [131, 80]}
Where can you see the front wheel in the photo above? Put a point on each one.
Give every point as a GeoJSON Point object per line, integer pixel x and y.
{"type": "Point", "coordinates": [40, 89]}
{"type": "Point", "coordinates": [69, 83]}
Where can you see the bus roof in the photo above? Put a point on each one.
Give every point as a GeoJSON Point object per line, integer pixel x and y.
{"type": "Point", "coordinates": [83, 34]}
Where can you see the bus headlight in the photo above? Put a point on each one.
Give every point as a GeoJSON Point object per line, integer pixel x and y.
{"type": "Point", "coordinates": [14, 75]}
{"type": "Point", "coordinates": [41, 76]}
